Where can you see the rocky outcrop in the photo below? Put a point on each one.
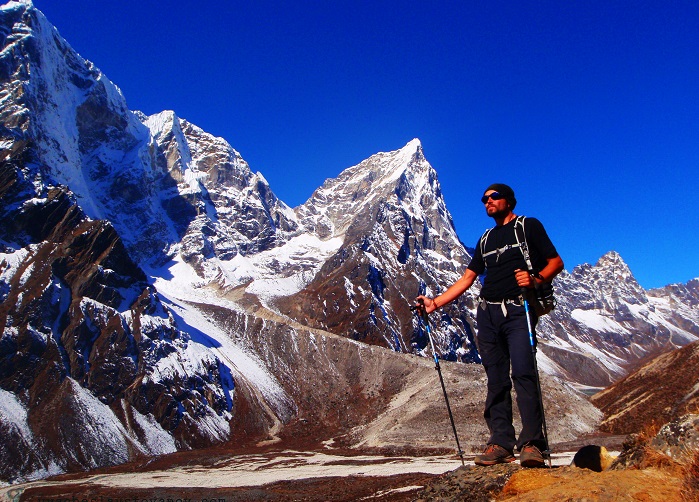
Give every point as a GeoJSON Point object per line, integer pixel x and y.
{"type": "Point", "coordinates": [656, 467]}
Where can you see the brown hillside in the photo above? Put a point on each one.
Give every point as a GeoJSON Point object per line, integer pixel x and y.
{"type": "Point", "coordinates": [664, 388]}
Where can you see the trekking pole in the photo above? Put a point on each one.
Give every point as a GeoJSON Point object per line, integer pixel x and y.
{"type": "Point", "coordinates": [422, 314]}
{"type": "Point", "coordinates": [532, 342]}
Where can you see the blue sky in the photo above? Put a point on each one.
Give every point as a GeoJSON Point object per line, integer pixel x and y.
{"type": "Point", "coordinates": [588, 109]}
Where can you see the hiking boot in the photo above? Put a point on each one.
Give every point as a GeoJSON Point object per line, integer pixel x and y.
{"type": "Point", "coordinates": [494, 454]}
{"type": "Point", "coordinates": [531, 456]}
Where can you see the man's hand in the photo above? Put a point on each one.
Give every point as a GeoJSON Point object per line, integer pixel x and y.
{"type": "Point", "coordinates": [429, 304]}
{"type": "Point", "coordinates": [451, 294]}
{"type": "Point", "coordinates": [524, 280]}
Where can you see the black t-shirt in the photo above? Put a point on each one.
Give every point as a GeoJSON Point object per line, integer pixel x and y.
{"type": "Point", "coordinates": [499, 267]}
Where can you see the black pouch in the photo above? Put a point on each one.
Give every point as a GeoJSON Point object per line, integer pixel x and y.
{"type": "Point", "coordinates": [541, 298]}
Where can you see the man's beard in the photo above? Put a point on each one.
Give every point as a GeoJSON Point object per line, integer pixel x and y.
{"type": "Point", "coordinates": [499, 214]}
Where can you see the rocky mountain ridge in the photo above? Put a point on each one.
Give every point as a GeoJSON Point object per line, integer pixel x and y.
{"type": "Point", "coordinates": [152, 283]}
{"type": "Point", "coordinates": [606, 315]}
{"type": "Point", "coordinates": [398, 240]}
{"type": "Point", "coordinates": [90, 355]}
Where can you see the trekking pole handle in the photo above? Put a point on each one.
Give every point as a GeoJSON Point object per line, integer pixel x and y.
{"type": "Point", "coordinates": [422, 310]}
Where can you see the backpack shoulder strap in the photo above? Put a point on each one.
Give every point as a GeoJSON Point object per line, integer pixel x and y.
{"type": "Point", "coordinates": [483, 240]}
{"type": "Point", "coordinates": [521, 237]}
{"type": "Point", "coordinates": [498, 251]}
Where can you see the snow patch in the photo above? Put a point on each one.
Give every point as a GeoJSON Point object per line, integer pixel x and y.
{"type": "Point", "coordinates": [265, 272]}
{"type": "Point", "coordinates": [101, 429]}
{"type": "Point", "coordinates": [158, 441]}
{"type": "Point", "coordinates": [597, 321]}
{"type": "Point", "coordinates": [14, 413]}
{"type": "Point", "coordinates": [238, 359]}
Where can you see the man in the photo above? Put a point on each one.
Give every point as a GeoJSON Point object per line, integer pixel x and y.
{"type": "Point", "coordinates": [503, 334]}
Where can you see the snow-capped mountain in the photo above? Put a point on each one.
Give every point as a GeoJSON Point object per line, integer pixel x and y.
{"type": "Point", "coordinates": [86, 190]}
{"type": "Point", "coordinates": [156, 294]}
{"type": "Point", "coordinates": [398, 240]}
{"type": "Point", "coordinates": [89, 353]}
{"type": "Point", "coordinates": [156, 186]}
{"type": "Point", "coordinates": [74, 116]}
{"type": "Point", "coordinates": [220, 209]}
{"type": "Point", "coordinates": [606, 323]}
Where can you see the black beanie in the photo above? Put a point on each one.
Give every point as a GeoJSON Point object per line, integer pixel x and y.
{"type": "Point", "coordinates": [505, 190]}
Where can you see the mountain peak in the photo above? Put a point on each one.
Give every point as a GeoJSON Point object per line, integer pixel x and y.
{"type": "Point", "coordinates": [387, 168]}
{"type": "Point", "coordinates": [413, 145]}
{"type": "Point", "coordinates": [370, 183]}
{"type": "Point", "coordinates": [612, 255]}
{"type": "Point", "coordinates": [614, 260]}
{"type": "Point", "coordinates": [29, 4]}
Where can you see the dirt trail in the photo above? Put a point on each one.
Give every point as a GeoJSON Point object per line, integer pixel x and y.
{"type": "Point", "coordinates": [342, 476]}
{"type": "Point", "coordinates": [252, 472]}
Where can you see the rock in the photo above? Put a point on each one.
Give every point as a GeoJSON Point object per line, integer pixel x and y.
{"type": "Point", "coordinates": [593, 457]}
{"type": "Point", "coordinates": [477, 484]}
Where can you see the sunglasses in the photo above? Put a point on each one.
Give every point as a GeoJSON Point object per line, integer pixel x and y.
{"type": "Point", "coordinates": [494, 196]}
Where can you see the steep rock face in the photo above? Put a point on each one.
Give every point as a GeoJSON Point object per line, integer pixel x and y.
{"type": "Point", "coordinates": [398, 240]}
{"type": "Point", "coordinates": [81, 324]}
{"type": "Point", "coordinates": [86, 340]}
{"type": "Point", "coordinates": [78, 126]}
{"type": "Point", "coordinates": [218, 206]}
{"type": "Point", "coordinates": [165, 185]}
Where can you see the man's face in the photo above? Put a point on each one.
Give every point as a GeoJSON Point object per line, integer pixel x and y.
{"type": "Point", "coordinates": [495, 205]}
